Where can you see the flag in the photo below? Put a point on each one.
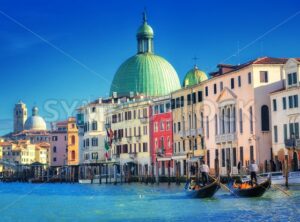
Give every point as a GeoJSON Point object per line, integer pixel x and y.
{"type": "Point", "coordinates": [106, 145]}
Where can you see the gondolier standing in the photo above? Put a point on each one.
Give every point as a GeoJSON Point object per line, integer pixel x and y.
{"type": "Point", "coordinates": [204, 172]}
{"type": "Point", "coordinates": [253, 168]}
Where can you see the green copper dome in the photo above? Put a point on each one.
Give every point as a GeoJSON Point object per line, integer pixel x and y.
{"type": "Point", "coordinates": [145, 73]}
{"type": "Point", "coordinates": [193, 77]}
{"type": "Point", "coordinates": [145, 30]}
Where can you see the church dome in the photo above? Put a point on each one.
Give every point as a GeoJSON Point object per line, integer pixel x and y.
{"type": "Point", "coordinates": [145, 73]}
{"type": "Point", "coordinates": [35, 122]}
{"type": "Point", "coordinates": [193, 77]}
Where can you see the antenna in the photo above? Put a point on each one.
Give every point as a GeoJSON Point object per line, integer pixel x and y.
{"type": "Point", "coordinates": [238, 52]}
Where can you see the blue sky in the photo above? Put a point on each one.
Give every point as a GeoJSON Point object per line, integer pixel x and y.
{"type": "Point", "coordinates": [59, 54]}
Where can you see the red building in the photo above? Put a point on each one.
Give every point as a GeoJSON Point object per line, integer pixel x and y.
{"type": "Point", "coordinates": [161, 135]}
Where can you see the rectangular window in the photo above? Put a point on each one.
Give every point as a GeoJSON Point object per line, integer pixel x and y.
{"type": "Point", "coordinates": [242, 155]}
{"type": "Point", "coordinates": [290, 79]}
{"type": "Point", "coordinates": [182, 101]}
{"type": "Point", "coordinates": [207, 127]}
{"type": "Point", "coordinates": [241, 121]}
{"type": "Point", "coordinates": [285, 132]}
{"type": "Point", "coordinates": [194, 98]}
{"type": "Point", "coordinates": [145, 147]}
{"type": "Point", "coordinates": [291, 126]}
{"type": "Point", "coordinates": [178, 126]}
{"type": "Point", "coordinates": [239, 81]}
{"type": "Point", "coordinates": [223, 157]}
{"type": "Point", "coordinates": [208, 158]}
{"type": "Point", "coordinates": [173, 104]}
{"type": "Point", "coordinates": [249, 78]}
{"type": "Point", "coordinates": [200, 96]}
{"type": "Point", "coordinates": [161, 108]}
{"type": "Point", "coordinates": [294, 78]}
{"type": "Point", "coordinates": [274, 105]}
{"type": "Point", "coordinates": [168, 107]}
{"type": "Point", "coordinates": [251, 119]}
{"type": "Point", "coordinates": [264, 76]}
{"type": "Point", "coordinates": [232, 83]}
{"type": "Point", "coordinates": [296, 130]}
{"type": "Point", "coordinates": [177, 103]}
{"type": "Point", "coordinates": [189, 99]}
{"type": "Point", "coordinates": [234, 156]}
{"type": "Point", "coordinates": [291, 102]}
{"type": "Point", "coordinates": [251, 153]}
{"type": "Point", "coordinates": [206, 91]}
{"type": "Point", "coordinates": [221, 86]}
{"type": "Point", "coordinates": [275, 134]}
{"type": "Point", "coordinates": [215, 88]}
{"type": "Point", "coordinates": [283, 102]}
{"type": "Point", "coordinates": [174, 128]}
{"type": "Point", "coordinates": [295, 101]}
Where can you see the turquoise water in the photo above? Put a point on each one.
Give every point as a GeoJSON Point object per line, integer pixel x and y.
{"type": "Point", "coordinates": [137, 202]}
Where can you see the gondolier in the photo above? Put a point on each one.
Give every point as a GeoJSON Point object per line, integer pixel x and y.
{"type": "Point", "coordinates": [204, 172]}
{"type": "Point", "coordinates": [253, 168]}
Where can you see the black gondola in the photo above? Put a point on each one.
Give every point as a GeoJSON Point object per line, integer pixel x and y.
{"type": "Point", "coordinates": [202, 192]}
{"type": "Point", "coordinates": [255, 191]}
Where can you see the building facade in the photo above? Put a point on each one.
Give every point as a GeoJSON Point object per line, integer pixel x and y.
{"type": "Point", "coordinates": [130, 123]}
{"type": "Point", "coordinates": [161, 135]}
{"type": "Point", "coordinates": [188, 123]}
{"type": "Point", "coordinates": [92, 130]}
{"type": "Point", "coordinates": [285, 115]}
{"type": "Point", "coordinates": [237, 113]}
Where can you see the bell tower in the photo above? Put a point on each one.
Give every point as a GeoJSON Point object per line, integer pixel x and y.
{"type": "Point", "coordinates": [20, 116]}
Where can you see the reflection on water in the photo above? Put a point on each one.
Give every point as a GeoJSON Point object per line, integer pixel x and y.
{"type": "Point", "coordinates": [137, 202]}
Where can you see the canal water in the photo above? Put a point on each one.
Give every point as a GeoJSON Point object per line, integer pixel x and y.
{"type": "Point", "coordinates": [137, 202]}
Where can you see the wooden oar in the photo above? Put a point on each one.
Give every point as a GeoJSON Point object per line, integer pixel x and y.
{"type": "Point", "coordinates": [222, 185]}
{"type": "Point", "coordinates": [278, 188]}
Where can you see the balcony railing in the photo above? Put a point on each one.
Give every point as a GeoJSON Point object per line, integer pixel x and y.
{"type": "Point", "coordinates": [292, 143]}
{"type": "Point", "coordinates": [144, 120]}
{"type": "Point", "coordinates": [182, 133]}
{"type": "Point", "coordinates": [200, 131]}
{"type": "Point", "coordinates": [223, 138]}
{"type": "Point", "coordinates": [132, 155]}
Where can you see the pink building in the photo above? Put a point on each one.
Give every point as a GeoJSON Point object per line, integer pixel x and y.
{"type": "Point", "coordinates": [237, 125]}
{"type": "Point", "coordinates": [59, 144]}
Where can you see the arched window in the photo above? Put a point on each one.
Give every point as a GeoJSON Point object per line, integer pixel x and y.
{"type": "Point", "coordinates": [195, 121]}
{"type": "Point", "coordinates": [73, 155]}
{"type": "Point", "coordinates": [73, 140]}
{"type": "Point", "coordinates": [54, 149]}
{"type": "Point", "coordinates": [265, 123]}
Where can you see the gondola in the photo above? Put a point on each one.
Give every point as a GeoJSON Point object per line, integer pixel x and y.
{"type": "Point", "coordinates": [202, 192]}
{"type": "Point", "coordinates": [255, 191]}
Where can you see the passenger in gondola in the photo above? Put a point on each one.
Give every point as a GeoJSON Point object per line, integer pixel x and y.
{"type": "Point", "coordinates": [193, 184]}
{"type": "Point", "coordinates": [239, 167]}
{"type": "Point", "coordinates": [253, 168]}
{"type": "Point", "coordinates": [204, 172]}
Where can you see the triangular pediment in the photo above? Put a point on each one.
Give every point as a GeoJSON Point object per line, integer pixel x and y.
{"type": "Point", "coordinates": [291, 63]}
{"type": "Point", "coordinates": [226, 95]}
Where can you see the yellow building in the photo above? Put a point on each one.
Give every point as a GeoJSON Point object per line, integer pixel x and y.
{"type": "Point", "coordinates": [73, 142]}
{"type": "Point", "coordinates": [188, 122]}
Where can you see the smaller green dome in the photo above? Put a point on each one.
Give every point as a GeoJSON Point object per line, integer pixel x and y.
{"type": "Point", "coordinates": [145, 30]}
{"type": "Point", "coordinates": [193, 77]}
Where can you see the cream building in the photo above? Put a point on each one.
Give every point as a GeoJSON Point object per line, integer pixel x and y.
{"type": "Point", "coordinates": [188, 123]}
{"type": "Point", "coordinates": [286, 116]}
{"type": "Point", "coordinates": [92, 131]}
{"type": "Point", "coordinates": [130, 122]}
{"type": "Point", "coordinates": [237, 113]}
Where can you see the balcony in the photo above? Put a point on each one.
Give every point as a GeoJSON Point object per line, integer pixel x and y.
{"type": "Point", "coordinates": [223, 138]}
{"type": "Point", "coordinates": [200, 131]}
{"type": "Point", "coordinates": [132, 155]}
{"type": "Point", "coordinates": [160, 152]}
{"type": "Point", "coordinates": [144, 120]}
{"type": "Point", "coordinates": [191, 133]}
{"type": "Point", "coordinates": [292, 143]}
{"type": "Point", "coordinates": [129, 138]}
{"type": "Point", "coordinates": [181, 133]}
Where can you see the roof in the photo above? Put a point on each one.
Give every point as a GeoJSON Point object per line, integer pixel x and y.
{"type": "Point", "coordinates": [226, 68]}
{"type": "Point", "coordinates": [146, 74]}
